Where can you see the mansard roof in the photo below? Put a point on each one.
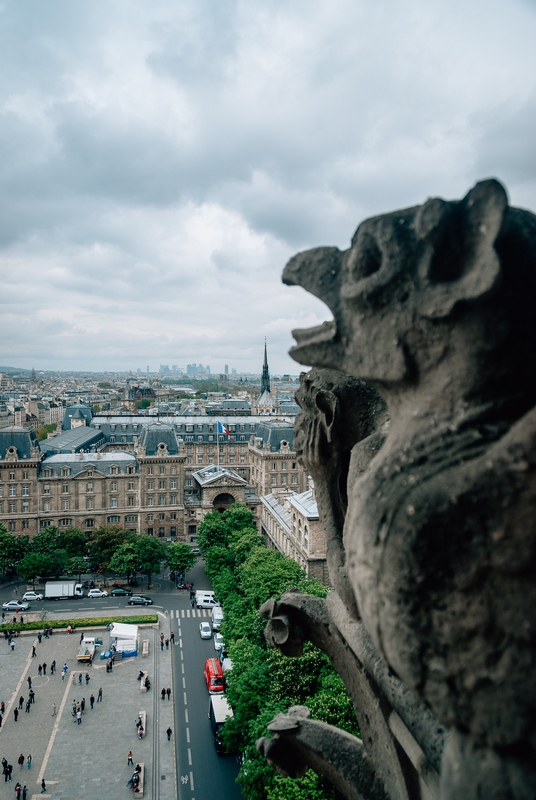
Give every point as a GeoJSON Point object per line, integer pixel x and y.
{"type": "Point", "coordinates": [81, 438]}
{"type": "Point", "coordinates": [77, 411]}
{"type": "Point", "coordinates": [21, 439]}
{"type": "Point", "coordinates": [101, 462]}
{"type": "Point", "coordinates": [213, 473]}
{"type": "Point", "coordinates": [274, 432]}
{"type": "Point", "coordinates": [156, 434]}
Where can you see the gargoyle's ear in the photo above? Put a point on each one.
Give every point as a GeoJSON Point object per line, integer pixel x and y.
{"type": "Point", "coordinates": [328, 405]}
{"type": "Point", "coordinates": [460, 260]}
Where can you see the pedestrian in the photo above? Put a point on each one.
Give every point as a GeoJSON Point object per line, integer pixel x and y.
{"type": "Point", "coordinates": [40, 670]}
{"type": "Point", "coordinates": [63, 674]}
{"type": "Point", "coordinates": [44, 669]}
{"type": "Point", "coordinates": [16, 713]}
{"type": "Point", "coordinates": [29, 761]}
{"type": "Point", "coordinates": [1, 720]}
{"type": "Point", "coordinates": [81, 638]}
{"type": "Point", "coordinates": [168, 692]}
{"type": "Point", "coordinates": [83, 705]}
{"type": "Point", "coordinates": [20, 761]}
{"type": "Point", "coordinates": [53, 709]}
{"type": "Point", "coordinates": [92, 700]}
{"type": "Point", "coordinates": [12, 645]}
{"type": "Point", "coordinates": [43, 786]}
{"type": "Point", "coordinates": [99, 696]}
{"type": "Point", "coordinates": [29, 682]}
{"type": "Point", "coordinates": [21, 620]}
{"type": "Point", "coordinates": [28, 704]}
{"type": "Point", "coordinates": [24, 792]}
{"type": "Point", "coordinates": [169, 732]}
{"type": "Point", "coordinates": [163, 693]}
{"type": "Point", "coordinates": [87, 678]}
{"type": "Point", "coordinates": [18, 790]}
{"type": "Point", "coordinates": [21, 701]}
{"type": "Point", "coordinates": [39, 637]}
{"type": "Point", "coordinates": [74, 707]}
{"type": "Point", "coordinates": [167, 644]}
{"type": "Point", "coordinates": [79, 717]}
{"type": "Point", "coordinates": [34, 653]}
{"type": "Point", "coordinates": [80, 679]}
{"type": "Point", "coordinates": [192, 602]}
{"type": "Point", "coordinates": [130, 761]}
{"type": "Point", "coordinates": [31, 696]}
{"type": "Point", "coordinates": [53, 667]}
{"type": "Point", "coordinates": [2, 707]}
{"type": "Point", "coordinates": [161, 644]}
{"type": "Point", "coordinates": [65, 667]}
{"type": "Point", "coordinates": [172, 638]}
{"type": "Point", "coordinates": [9, 771]}
{"type": "Point", "coordinates": [161, 637]}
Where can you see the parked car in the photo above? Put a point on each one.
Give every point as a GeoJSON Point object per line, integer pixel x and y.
{"type": "Point", "coordinates": [205, 631]}
{"type": "Point", "coordinates": [97, 593]}
{"type": "Point", "coordinates": [120, 592]}
{"type": "Point", "coordinates": [218, 641]}
{"type": "Point", "coordinates": [15, 605]}
{"type": "Point", "coordinates": [140, 600]}
{"type": "Point", "coordinates": [29, 596]}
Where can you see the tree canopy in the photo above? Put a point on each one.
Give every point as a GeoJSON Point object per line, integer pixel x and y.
{"type": "Point", "coordinates": [180, 557]}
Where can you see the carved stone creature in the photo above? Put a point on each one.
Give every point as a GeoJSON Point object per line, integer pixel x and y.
{"type": "Point", "coordinates": [434, 307]}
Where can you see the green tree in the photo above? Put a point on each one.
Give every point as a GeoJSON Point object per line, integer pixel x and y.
{"type": "Point", "coordinates": [46, 541]}
{"type": "Point", "coordinates": [42, 433]}
{"type": "Point", "coordinates": [125, 560]}
{"type": "Point", "coordinates": [12, 548]}
{"type": "Point", "coordinates": [35, 564]}
{"type": "Point", "coordinates": [74, 541]}
{"type": "Point", "coordinates": [180, 557]}
{"type": "Point", "coordinates": [76, 565]}
{"type": "Point", "coordinates": [213, 531]}
{"type": "Point", "coordinates": [104, 542]}
{"type": "Point", "coordinates": [268, 573]}
{"type": "Point", "coordinates": [151, 552]}
{"type": "Point", "coordinates": [145, 403]}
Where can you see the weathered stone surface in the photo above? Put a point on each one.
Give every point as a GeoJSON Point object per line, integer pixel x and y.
{"type": "Point", "coordinates": [433, 308]}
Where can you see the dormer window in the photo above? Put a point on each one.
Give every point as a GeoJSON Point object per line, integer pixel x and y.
{"type": "Point", "coordinates": [112, 427]}
{"type": "Point", "coordinates": [113, 470]}
{"type": "Point", "coordinates": [65, 472]}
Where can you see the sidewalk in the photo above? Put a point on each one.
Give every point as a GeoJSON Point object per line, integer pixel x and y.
{"type": "Point", "coordinates": [87, 760]}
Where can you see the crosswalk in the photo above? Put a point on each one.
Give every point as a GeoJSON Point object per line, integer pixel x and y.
{"type": "Point", "coordinates": [194, 612]}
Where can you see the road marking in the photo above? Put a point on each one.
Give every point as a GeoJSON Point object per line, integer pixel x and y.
{"type": "Point", "coordinates": [182, 668]}
{"type": "Point", "coordinates": [184, 683]}
{"type": "Point", "coordinates": [185, 700]}
{"type": "Point", "coordinates": [53, 734]}
{"type": "Point", "coordinates": [189, 757]}
{"type": "Point", "coordinates": [180, 642]}
{"type": "Point", "coordinates": [188, 735]}
{"type": "Point", "coordinates": [186, 716]}
{"type": "Point", "coordinates": [182, 655]}
{"type": "Point", "coordinates": [15, 695]}
{"type": "Point", "coordinates": [192, 787]}
{"type": "Point", "coordinates": [182, 612]}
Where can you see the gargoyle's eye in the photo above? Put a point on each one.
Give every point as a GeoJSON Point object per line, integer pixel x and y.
{"type": "Point", "coordinates": [367, 258]}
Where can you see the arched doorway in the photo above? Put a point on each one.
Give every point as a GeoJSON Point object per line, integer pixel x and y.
{"type": "Point", "coordinates": [223, 501]}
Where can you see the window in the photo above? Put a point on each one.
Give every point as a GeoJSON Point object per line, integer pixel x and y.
{"type": "Point", "coordinates": [112, 438]}
{"type": "Point", "coordinates": [123, 427]}
{"type": "Point", "coordinates": [113, 486]}
{"type": "Point", "coordinates": [25, 491]}
{"type": "Point", "coordinates": [89, 503]}
{"type": "Point", "coordinates": [173, 484]}
{"type": "Point", "coordinates": [112, 427]}
{"type": "Point", "coordinates": [1, 491]}
{"type": "Point", "coordinates": [131, 486]}
{"type": "Point", "coordinates": [46, 505]}
{"type": "Point", "coordinates": [242, 460]}
{"type": "Point", "coordinates": [283, 479]}
{"type": "Point", "coordinates": [173, 530]}
{"type": "Point", "coordinates": [130, 501]}
{"type": "Point", "coordinates": [231, 449]}
{"type": "Point", "coordinates": [150, 501]}
{"type": "Point", "coordinates": [64, 505]}
{"type": "Point", "coordinates": [173, 515]}
{"type": "Point", "coordinates": [25, 506]}
{"type": "Point", "coordinates": [113, 470]}
{"type": "Point", "coordinates": [294, 479]}
{"type": "Point", "coordinates": [130, 470]}
{"type": "Point", "coordinates": [283, 465]}
{"type": "Point", "coordinates": [199, 459]}
{"type": "Point", "coordinates": [161, 517]}
{"type": "Point", "coordinates": [113, 520]}
{"type": "Point", "coordinates": [211, 438]}
{"type": "Point", "coordinates": [242, 438]}
{"type": "Point", "coordinates": [231, 460]}
{"type": "Point", "coordinates": [192, 530]}
{"type": "Point", "coordinates": [242, 449]}
{"type": "Point", "coordinates": [149, 531]}
{"type": "Point", "coordinates": [131, 518]}
{"type": "Point", "coordinates": [12, 491]}
{"type": "Point", "coordinates": [161, 531]}
{"type": "Point", "coordinates": [25, 475]}
{"type": "Point", "coordinates": [47, 473]}
{"type": "Point", "coordinates": [113, 502]}
{"type": "Point", "coordinates": [293, 465]}
{"type": "Point", "coordinates": [12, 526]}
{"type": "Point", "coordinates": [242, 428]}
{"type": "Point", "coordinates": [173, 500]}
{"type": "Point", "coordinates": [173, 470]}
{"type": "Point", "coordinates": [89, 523]}
{"type": "Point", "coordinates": [12, 507]}
{"type": "Point", "coordinates": [11, 476]}
{"type": "Point", "coordinates": [161, 484]}
{"type": "Point", "coordinates": [162, 500]}
{"type": "Point", "coordinates": [189, 427]}
{"type": "Point", "coordinates": [189, 439]}
{"type": "Point", "coordinates": [149, 470]}
{"type": "Point", "coordinates": [149, 517]}
{"type": "Point", "coordinates": [123, 438]}
{"type": "Point", "coordinates": [89, 487]}
{"type": "Point", "coordinates": [162, 470]}
{"type": "Point", "coordinates": [150, 484]}
{"type": "Point", "coordinates": [274, 479]}
{"type": "Point", "coordinates": [65, 522]}
{"type": "Point", "coordinates": [189, 482]}
{"type": "Point", "coordinates": [188, 460]}
{"type": "Point", "coordinates": [65, 488]}
{"type": "Point", "coordinates": [200, 449]}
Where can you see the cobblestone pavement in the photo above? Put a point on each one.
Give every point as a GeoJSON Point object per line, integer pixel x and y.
{"type": "Point", "coordinates": [87, 760]}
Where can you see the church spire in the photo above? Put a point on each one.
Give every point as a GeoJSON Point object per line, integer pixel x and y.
{"type": "Point", "coordinates": [265, 377]}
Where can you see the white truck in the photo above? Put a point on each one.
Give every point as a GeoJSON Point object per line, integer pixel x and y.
{"type": "Point", "coordinates": [63, 590]}
{"type": "Point", "coordinates": [204, 598]}
{"type": "Point", "coordinates": [217, 617]}
{"type": "Point", "coordinates": [219, 711]}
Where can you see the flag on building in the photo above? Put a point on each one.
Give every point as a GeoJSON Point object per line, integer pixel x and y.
{"type": "Point", "coordinates": [223, 429]}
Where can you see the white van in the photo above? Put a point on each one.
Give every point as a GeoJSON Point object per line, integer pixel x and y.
{"type": "Point", "coordinates": [217, 617]}
{"type": "Point", "coordinates": [205, 599]}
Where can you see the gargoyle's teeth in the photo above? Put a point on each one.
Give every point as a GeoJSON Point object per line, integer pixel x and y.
{"type": "Point", "coordinates": [320, 333]}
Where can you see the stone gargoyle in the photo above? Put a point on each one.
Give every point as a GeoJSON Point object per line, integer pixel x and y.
{"type": "Point", "coordinates": [428, 499]}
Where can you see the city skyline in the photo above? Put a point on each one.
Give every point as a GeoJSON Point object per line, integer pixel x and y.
{"type": "Point", "coordinates": [162, 162]}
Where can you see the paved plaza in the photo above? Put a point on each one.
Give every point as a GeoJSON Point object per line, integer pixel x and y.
{"type": "Point", "coordinates": [87, 760]}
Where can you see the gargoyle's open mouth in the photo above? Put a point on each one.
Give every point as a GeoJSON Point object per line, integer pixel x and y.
{"type": "Point", "coordinates": [319, 272]}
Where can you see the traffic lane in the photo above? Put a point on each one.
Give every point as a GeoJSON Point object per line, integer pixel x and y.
{"type": "Point", "coordinates": [214, 775]}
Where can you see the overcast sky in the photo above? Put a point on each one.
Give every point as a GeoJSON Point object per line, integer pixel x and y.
{"type": "Point", "coordinates": [161, 161]}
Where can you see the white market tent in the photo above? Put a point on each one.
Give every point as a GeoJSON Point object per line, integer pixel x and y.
{"type": "Point", "coordinates": [124, 638]}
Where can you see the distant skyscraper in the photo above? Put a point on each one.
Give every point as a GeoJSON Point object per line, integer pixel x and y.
{"type": "Point", "coordinates": [226, 368]}
{"type": "Point", "coordinates": [148, 370]}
